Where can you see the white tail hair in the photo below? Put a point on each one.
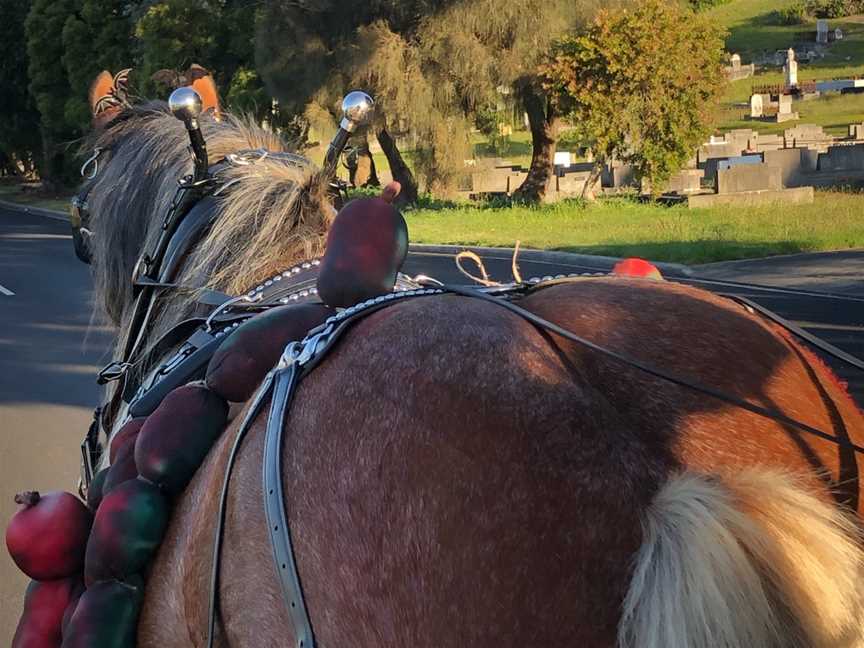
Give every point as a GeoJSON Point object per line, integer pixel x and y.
{"type": "Point", "coordinates": [750, 560]}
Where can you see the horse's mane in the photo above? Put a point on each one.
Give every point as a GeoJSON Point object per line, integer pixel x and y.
{"type": "Point", "coordinates": [275, 215]}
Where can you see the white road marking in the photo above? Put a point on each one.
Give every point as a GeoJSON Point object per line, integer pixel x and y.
{"type": "Point", "coordinates": [6, 291]}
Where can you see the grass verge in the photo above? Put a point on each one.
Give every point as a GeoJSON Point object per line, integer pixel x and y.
{"type": "Point", "coordinates": [624, 227]}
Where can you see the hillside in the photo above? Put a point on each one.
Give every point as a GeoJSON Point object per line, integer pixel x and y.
{"type": "Point", "coordinates": [755, 34]}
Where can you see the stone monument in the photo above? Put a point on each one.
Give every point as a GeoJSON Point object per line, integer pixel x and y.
{"type": "Point", "coordinates": [757, 108]}
{"type": "Point", "coordinates": [790, 70]}
{"type": "Point", "coordinates": [821, 31]}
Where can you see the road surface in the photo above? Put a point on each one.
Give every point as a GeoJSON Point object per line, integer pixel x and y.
{"type": "Point", "coordinates": [50, 351]}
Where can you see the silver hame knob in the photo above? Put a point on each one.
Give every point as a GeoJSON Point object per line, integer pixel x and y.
{"type": "Point", "coordinates": [358, 109]}
{"type": "Point", "coordinates": [185, 104]}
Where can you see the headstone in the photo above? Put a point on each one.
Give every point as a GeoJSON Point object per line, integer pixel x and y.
{"type": "Point", "coordinates": [562, 158]}
{"type": "Point", "coordinates": [856, 131]}
{"type": "Point", "coordinates": [838, 34]}
{"type": "Point", "coordinates": [821, 31]}
{"type": "Point", "coordinates": [739, 160]}
{"type": "Point", "coordinates": [784, 109]}
{"type": "Point", "coordinates": [756, 106]}
{"type": "Point", "coordinates": [790, 69]}
{"type": "Point", "coordinates": [736, 62]}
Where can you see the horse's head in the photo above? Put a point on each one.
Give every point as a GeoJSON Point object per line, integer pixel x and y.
{"type": "Point", "coordinates": [273, 211]}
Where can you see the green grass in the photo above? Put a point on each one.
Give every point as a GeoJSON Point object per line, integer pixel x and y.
{"type": "Point", "coordinates": [623, 227]}
{"type": "Point", "coordinates": [14, 192]}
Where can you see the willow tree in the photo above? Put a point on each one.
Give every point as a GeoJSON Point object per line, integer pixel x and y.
{"type": "Point", "coordinates": [309, 53]}
{"type": "Point", "coordinates": [477, 48]}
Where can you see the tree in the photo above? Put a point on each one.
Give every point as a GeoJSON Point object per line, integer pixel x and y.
{"type": "Point", "coordinates": [49, 86]}
{"type": "Point", "coordinates": [96, 37]}
{"type": "Point", "coordinates": [173, 34]}
{"type": "Point", "coordinates": [19, 120]}
{"type": "Point", "coordinates": [641, 85]}
{"type": "Point", "coordinates": [431, 65]}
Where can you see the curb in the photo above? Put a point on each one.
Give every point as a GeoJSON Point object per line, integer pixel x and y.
{"type": "Point", "coordinates": [38, 211]}
{"type": "Point", "coordinates": [542, 256]}
{"type": "Point", "coordinates": [536, 256]}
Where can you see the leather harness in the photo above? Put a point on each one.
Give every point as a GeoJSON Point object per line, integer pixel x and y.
{"type": "Point", "coordinates": [198, 338]}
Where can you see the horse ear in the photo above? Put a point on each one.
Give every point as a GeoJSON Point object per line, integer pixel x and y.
{"type": "Point", "coordinates": [101, 87]}
{"type": "Point", "coordinates": [206, 88]}
{"type": "Point", "coordinates": [104, 104]}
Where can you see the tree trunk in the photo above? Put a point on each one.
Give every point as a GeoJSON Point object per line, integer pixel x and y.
{"type": "Point", "coordinates": [544, 137]}
{"type": "Point", "coordinates": [588, 189]}
{"type": "Point", "coordinates": [400, 171]}
{"type": "Point", "coordinates": [365, 174]}
{"type": "Point", "coordinates": [50, 170]}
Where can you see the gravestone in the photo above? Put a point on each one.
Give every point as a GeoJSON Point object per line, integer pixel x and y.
{"type": "Point", "coordinates": [736, 62]}
{"type": "Point", "coordinates": [856, 131]}
{"type": "Point", "coordinates": [686, 181]}
{"type": "Point", "coordinates": [843, 158]}
{"type": "Point", "coordinates": [838, 34]}
{"type": "Point", "coordinates": [784, 109]}
{"type": "Point", "coordinates": [790, 69]}
{"type": "Point", "coordinates": [806, 136]}
{"type": "Point", "coordinates": [739, 160]}
{"type": "Point", "coordinates": [756, 106]}
{"type": "Point", "coordinates": [748, 178]}
{"type": "Point", "coordinates": [821, 31]}
{"type": "Point", "coordinates": [562, 159]}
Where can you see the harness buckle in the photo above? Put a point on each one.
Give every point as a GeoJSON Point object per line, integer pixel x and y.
{"type": "Point", "coordinates": [91, 454]}
{"type": "Point", "coordinates": [113, 371]}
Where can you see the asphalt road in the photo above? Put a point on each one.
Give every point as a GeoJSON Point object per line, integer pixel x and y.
{"type": "Point", "coordinates": [50, 351]}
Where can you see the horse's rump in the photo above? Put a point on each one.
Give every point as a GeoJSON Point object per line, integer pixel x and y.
{"type": "Point", "coordinates": [451, 471]}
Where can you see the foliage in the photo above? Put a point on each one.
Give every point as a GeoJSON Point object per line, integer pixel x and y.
{"type": "Point", "coordinates": [96, 37]}
{"type": "Point", "coordinates": [49, 86]}
{"type": "Point", "coordinates": [699, 5]}
{"type": "Point", "coordinates": [490, 123]}
{"type": "Point", "coordinates": [794, 14]}
{"type": "Point", "coordinates": [19, 121]}
{"type": "Point", "coordinates": [403, 53]}
{"type": "Point", "coordinates": [834, 8]}
{"type": "Point", "coordinates": [641, 85]}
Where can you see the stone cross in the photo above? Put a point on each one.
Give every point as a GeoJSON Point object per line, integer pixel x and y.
{"type": "Point", "coordinates": [757, 108]}
{"type": "Point", "coordinates": [822, 31]}
{"type": "Point", "coordinates": [790, 70]}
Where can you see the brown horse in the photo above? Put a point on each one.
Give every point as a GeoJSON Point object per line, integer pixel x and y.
{"type": "Point", "coordinates": [455, 475]}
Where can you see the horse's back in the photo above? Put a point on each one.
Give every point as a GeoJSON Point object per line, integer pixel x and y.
{"type": "Point", "coordinates": [455, 475]}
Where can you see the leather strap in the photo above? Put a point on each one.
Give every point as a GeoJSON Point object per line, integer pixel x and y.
{"type": "Point", "coordinates": [274, 507]}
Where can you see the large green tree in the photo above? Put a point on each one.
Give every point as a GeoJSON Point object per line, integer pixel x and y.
{"type": "Point", "coordinates": [49, 85]}
{"type": "Point", "coordinates": [431, 65]}
{"type": "Point", "coordinates": [641, 85]}
{"type": "Point", "coordinates": [19, 120]}
{"type": "Point", "coordinates": [173, 34]}
{"type": "Point", "coordinates": [98, 36]}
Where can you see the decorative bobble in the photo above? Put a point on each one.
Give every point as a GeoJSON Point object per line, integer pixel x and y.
{"type": "Point", "coordinates": [240, 364]}
{"type": "Point", "coordinates": [366, 246]}
{"type": "Point", "coordinates": [176, 438]}
{"type": "Point", "coordinates": [128, 529]}
{"type": "Point", "coordinates": [634, 267]}
{"type": "Point", "coordinates": [106, 615]}
{"type": "Point", "coordinates": [41, 623]}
